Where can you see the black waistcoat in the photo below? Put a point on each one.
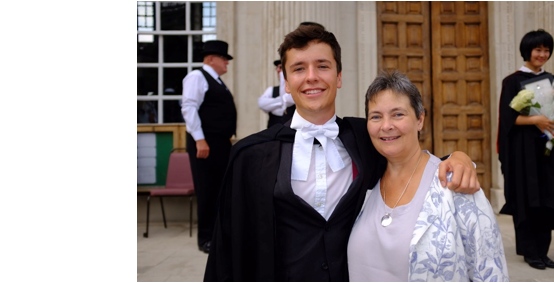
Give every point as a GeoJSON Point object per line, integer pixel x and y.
{"type": "Point", "coordinates": [218, 113]}
{"type": "Point", "coordinates": [308, 247]}
{"type": "Point", "coordinates": [274, 119]}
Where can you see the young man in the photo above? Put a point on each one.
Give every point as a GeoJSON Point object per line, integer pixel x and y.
{"type": "Point", "coordinates": [288, 205]}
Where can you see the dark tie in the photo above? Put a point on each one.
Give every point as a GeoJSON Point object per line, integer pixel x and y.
{"type": "Point", "coordinates": [221, 82]}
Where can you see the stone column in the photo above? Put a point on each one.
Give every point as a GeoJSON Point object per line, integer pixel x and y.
{"type": "Point", "coordinates": [225, 29]}
{"type": "Point", "coordinates": [367, 49]}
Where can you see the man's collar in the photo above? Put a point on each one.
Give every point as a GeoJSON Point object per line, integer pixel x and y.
{"type": "Point", "coordinates": [304, 138]}
{"type": "Point", "coordinates": [210, 71]}
{"type": "Point", "coordinates": [298, 121]}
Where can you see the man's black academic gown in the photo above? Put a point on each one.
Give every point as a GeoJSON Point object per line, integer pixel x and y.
{"type": "Point", "coordinates": [244, 243]}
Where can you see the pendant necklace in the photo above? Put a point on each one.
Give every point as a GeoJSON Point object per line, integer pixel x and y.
{"type": "Point", "coordinates": [386, 220]}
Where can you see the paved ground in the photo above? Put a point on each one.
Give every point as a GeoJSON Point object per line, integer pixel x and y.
{"type": "Point", "coordinates": [170, 255]}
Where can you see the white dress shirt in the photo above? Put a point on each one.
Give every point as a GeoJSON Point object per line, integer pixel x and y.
{"type": "Point", "coordinates": [195, 86]}
{"type": "Point", "coordinates": [323, 188]}
{"type": "Point", "coordinates": [276, 105]}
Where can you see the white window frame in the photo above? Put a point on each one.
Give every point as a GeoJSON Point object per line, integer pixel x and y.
{"type": "Point", "coordinates": [160, 65]}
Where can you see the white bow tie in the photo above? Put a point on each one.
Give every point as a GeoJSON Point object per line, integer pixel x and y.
{"type": "Point", "coordinates": [303, 144]}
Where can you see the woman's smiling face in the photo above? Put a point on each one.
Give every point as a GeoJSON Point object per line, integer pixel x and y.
{"type": "Point", "coordinates": [539, 57]}
{"type": "Point", "coordinates": [392, 124]}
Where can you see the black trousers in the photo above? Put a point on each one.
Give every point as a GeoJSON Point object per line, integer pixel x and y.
{"type": "Point", "coordinates": [534, 234]}
{"type": "Point", "coordinates": [207, 175]}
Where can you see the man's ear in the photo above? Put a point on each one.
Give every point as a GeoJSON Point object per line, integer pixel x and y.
{"type": "Point", "coordinates": [339, 80]}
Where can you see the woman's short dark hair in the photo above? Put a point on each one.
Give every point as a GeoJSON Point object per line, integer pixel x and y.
{"type": "Point", "coordinates": [305, 33]}
{"type": "Point", "coordinates": [534, 39]}
{"type": "Point", "coordinates": [398, 84]}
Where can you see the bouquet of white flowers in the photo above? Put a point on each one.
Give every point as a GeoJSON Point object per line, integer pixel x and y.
{"type": "Point", "coordinates": [537, 98]}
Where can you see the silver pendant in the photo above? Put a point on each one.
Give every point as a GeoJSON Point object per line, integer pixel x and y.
{"type": "Point", "coordinates": [386, 220]}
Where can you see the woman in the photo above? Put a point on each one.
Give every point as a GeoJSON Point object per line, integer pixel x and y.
{"type": "Point", "coordinates": [421, 230]}
{"type": "Point", "coordinates": [528, 173]}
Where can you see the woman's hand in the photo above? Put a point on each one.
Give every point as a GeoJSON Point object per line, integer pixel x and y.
{"type": "Point", "coordinates": [543, 123]}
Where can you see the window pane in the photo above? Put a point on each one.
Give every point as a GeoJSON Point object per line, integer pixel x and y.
{"type": "Point", "coordinates": [145, 38]}
{"type": "Point", "coordinates": [173, 15]}
{"type": "Point", "coordinates": [197, 47]}
{"type": "Point", "coordinates": [145, 16]}
{"type": "Point", "coordinates": [196, 16]}
{"type": "Point", "coordinates": [147, 81]}
{"type": "Point", "coordinates": [172, 111]}
{"type": "Point", "coordinates": [147, 112]}
{"type": "Point", "coordinates": [149, 21]}
{"type": "Point", "coordinates": [173, 80]}
{"type": "Point", "coordinates": [173, 85]}
{"type": "Point", "coordinates": [207, 37]}
{"type": "Point", "coordinates": [147, 48]}
{"type": "Point", "coordinates": [141, 22]}
{"type": "Point", "coordinates": [175, 48]}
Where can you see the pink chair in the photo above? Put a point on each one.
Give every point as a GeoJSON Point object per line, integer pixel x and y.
{"type": "Point", "coordinates": [178, 183]}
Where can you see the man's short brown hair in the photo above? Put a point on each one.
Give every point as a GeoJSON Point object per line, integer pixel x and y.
{"type": "Point", "coordinates": [305, 33]}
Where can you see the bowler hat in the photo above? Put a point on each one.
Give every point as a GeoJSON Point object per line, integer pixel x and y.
{"type": "Point", "coordinates": [276, 62]}
{"type": "Point", "coordinates": [216, 47]}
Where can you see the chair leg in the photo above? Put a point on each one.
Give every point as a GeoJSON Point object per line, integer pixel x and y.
{"type": "Point", "coordinates": [145, 234]}
{"type": "Point", "coordinates": [163, 212]}
{"type": "Point", "coordinates": [190, 215]}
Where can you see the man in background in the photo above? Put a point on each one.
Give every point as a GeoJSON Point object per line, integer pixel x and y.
{"type": "Point", "coordinates": [276, 102]}
{"type": "Point", "coordinates": [211, 117]}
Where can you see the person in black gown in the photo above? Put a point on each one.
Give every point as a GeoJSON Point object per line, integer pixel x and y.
{"type": "Point", "coordinates": [528, 172]}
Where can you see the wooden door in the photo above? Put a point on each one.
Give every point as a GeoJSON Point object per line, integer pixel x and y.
{"type": "Point", "coordinates": [461, 82]}
{"type": "Point", "coordinates": [404, 45]}
{"type": "Point", "coordinates": [452, 38]}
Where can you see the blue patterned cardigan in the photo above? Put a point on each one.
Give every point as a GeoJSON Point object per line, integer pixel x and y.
{"type": "Point", "coordinates": [456, 238]}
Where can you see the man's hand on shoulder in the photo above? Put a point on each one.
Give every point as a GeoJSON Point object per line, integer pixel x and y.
{"type": "Point", "coordinates": [464, 176]}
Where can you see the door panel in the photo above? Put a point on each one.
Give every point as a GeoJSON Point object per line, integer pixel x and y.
{"type": "Point", "coordinates": [404, 45]}
{"type": "Point", "coordinates": [461, 82]}
{"type": "Point", "coordinates": [452, 38]}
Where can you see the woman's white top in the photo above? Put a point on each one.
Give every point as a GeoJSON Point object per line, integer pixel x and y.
{"type": "Point", "coordinates": [439, 236]}
{"type": "Point", "coordinates": [377, 253]}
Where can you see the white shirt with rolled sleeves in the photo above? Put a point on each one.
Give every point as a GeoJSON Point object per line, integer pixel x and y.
{"type": "Point", "coordinates": [276, 105]}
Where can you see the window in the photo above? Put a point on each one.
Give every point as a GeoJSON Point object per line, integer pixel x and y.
{"type": "Point", "coordinates": [170, 37]}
